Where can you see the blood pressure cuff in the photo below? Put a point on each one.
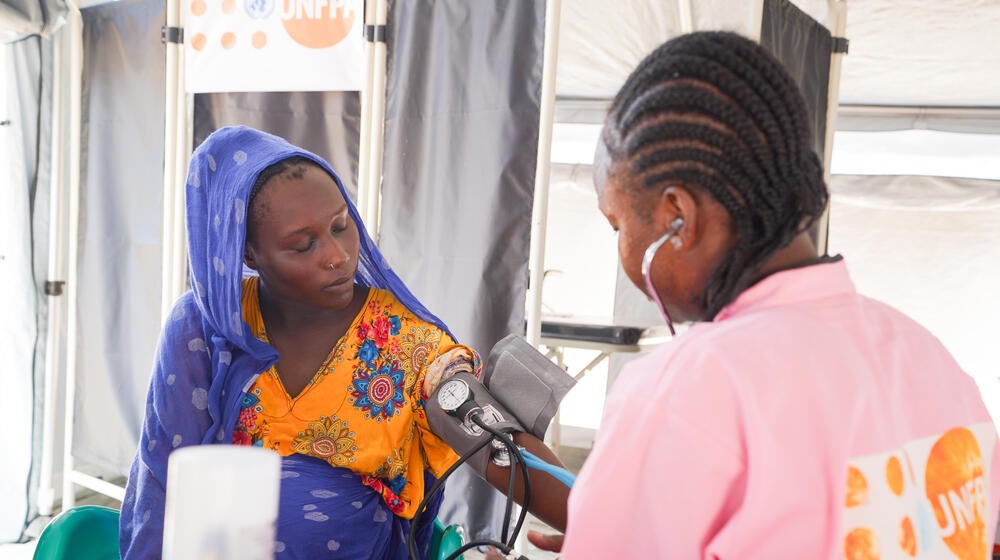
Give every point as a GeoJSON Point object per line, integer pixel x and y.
{"type": "Point", "coordinates": [528, 384]}
{"type": "Point", "coordinates": [463, 436]}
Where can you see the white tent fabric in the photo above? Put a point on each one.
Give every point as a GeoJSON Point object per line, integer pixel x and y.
{"type": "Point", "coordinates": [901, 52]}
{"type": "Point", "coordinates": [917, 152]}
{"type": "Point", "coordinates": [17, 330]}
{"type": "Point", "coordinates": [600, 42]}
{"type": "Point", "coordinates": [922, 53]}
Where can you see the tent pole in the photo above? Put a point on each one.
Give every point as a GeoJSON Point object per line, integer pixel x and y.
{"type": "Point", "coordinates": [540, 203]}
{"type": "Point", "coordinates": [53, 330]}
{"type": "Point", "coordinates": [756, 19]}
{"type": "Point", "coordinates": [170, 142]}
{"type": "Point", "coordinates": [540, 200]}
{"type": "Point", "coordinates": [182, 151]}
{"type": "Point", "coordinates": [685, 15]}
{"type": "Point", "coordinates": [377, 129]}
{"type": "Point", "coordinates": [837, 17]}
{"type": "Point", "coordinates": [74, 34]}
{"type": "Point", "coordinates": [364, 141]}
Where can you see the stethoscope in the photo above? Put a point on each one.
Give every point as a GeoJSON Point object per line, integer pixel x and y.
{"type": "Point", "coordinates": [647, 262]}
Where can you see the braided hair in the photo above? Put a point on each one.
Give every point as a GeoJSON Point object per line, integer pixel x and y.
{"type": "Point", "coordinates": [293, 168]}
{"type": "Point", "coordinates": [715, 111]}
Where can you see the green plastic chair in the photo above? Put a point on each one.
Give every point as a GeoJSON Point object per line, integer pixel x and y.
{"type": "Point", "coordinates": [80, 533]}
{"type": "Point", "coordinates": [446, 540]}
{"type": "Point", "coordinates": [91, 533]}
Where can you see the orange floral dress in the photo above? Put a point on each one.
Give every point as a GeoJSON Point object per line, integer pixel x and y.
{"type": "Point", "coordinates": [363, 409]}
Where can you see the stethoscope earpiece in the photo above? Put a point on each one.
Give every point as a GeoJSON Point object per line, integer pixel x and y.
{"type": "Point", "coordinates": [647, 262]}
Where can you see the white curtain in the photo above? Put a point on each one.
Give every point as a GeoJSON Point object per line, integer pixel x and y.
{"type": "Point", "coordinates": [17, 300]}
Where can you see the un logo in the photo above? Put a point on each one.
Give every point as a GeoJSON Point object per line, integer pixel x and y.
{"type": "Point", "coordinates": [259, 9]}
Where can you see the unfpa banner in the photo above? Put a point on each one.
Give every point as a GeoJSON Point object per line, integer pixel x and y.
{"type": "Point", "coordinates": [273, 45]}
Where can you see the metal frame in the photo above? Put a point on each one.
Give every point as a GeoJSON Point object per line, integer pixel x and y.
{"type": "Point", "coordinates": [366, 118]}
{"type": "Point", "coordinates": [685, 16]}
{"type": "Point", "coordinates": [73, 33]}
{"type": "Point", "coordinates": [555, 349]}
{"type": "Point", "coordinates": [837, 19]}
{"type": "Point", "coordinates": [756, 21]}
{"type": "Point", "coordinates": [372, 121]}
{"type": "Point", "coordinates": [543, 163]}
{"type": "Point", "coordinates": [45, 499]}
{"type": "Point", "coordinates": [176, 154]}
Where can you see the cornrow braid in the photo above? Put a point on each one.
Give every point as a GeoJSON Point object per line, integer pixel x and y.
{"type": "Point", "coordinates": [680, 132]}
{"type": "Point", "coordinates": [294, 167]}
{"type": "Point", "coordinates": [710, 71]}
{"type": "Point", "coordinates": [715, 111]}
{"type": "Point", "coordinates": [692, 99]}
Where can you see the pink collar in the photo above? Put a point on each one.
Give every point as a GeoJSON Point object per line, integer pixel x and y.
{"type": "Point", "coordinates": [808, 283]}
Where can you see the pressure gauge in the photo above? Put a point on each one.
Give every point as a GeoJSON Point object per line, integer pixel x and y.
{"type": "Point", "coordinates": [453, 394]}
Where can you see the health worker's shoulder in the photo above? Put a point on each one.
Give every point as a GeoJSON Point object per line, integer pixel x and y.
{"type": "Point", "coordinates": [706, 355]}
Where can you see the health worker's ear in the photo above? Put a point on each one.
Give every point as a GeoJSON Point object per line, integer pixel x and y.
{"type": "Point", "coordinates": [677, 210]}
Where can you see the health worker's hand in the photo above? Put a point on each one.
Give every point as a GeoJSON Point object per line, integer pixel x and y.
{"type": "Point", "coordinates": [551, 542]}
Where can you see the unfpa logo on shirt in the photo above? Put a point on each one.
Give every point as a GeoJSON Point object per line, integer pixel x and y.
{"type": "Point", "coordinates": [957, 489]}
{"type": "Point", "coordinates": [928, 499]}
{"type": "Point", "coordinates": [317, 24]}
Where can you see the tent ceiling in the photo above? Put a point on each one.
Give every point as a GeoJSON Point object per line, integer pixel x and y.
{"type": "Point", "coordinates": [911, 52]}
{"type": "Point", "coordinates": [902, 52]}
{"type": "Point", "coordinates": [20, 18]}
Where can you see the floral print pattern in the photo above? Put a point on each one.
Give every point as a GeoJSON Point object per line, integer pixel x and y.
{"type": "Point", "coordinates": [379, 387]}
{"type": "Point", "coordinates": [251, 428]}
{"type": "Point", "coordinates": [329, 439]}
{"type": "Point", "coordinates": [360, 410]}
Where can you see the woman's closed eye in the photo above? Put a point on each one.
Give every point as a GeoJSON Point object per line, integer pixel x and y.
{"type": "Point", "coordinates": [305, 246]}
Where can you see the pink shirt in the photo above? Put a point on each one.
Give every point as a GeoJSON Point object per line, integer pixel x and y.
{"type": "Point", "coordinates": [806, 421]}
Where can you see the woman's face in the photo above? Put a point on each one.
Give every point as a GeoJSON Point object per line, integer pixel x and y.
{"type": "Point", "coordinates": [635, 231]}
{"type": "Point", "coordinates": [682, 268]}
{"type": "Point", "coordinates": [303, 242]}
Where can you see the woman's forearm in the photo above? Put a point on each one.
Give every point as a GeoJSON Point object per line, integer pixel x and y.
{"type": "Point", "coordinates": [548, 495]}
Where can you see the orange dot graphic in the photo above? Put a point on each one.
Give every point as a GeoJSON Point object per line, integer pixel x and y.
{"type": "Point", "coordinates": [956, 488]}
{"type": "Point", "coordinates": [228, 40]}
{"type": "Point", "coordinates": [857, 488]}
{"type": "Point", "coordinates": [258, 40]}
{"type": "Point", "coordinates": [861, 544]}
{"type": "Point", "coordinates": [228, 6]}
{"type": "Point", "coordinates": [894, 475]}
{"type": "Point", "coordinates": [907, 538]}
{"type": "Point", "coordinates": [198, 41]}
{"type": "Point", "coordinates": [198, 7]}
{"type": "Point", "coordinates": [316, 25]}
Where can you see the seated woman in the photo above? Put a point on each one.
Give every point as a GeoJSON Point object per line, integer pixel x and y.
{"type": "Point", "coordinates": [314, 349]}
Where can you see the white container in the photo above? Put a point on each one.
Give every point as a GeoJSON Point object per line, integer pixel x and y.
{"type": "Point", "coordinates": [222, 503]}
